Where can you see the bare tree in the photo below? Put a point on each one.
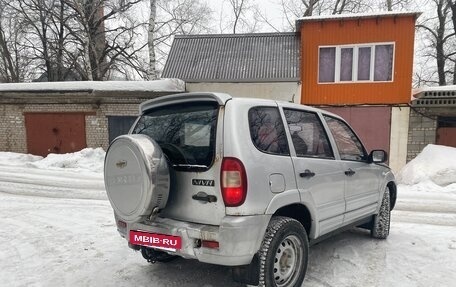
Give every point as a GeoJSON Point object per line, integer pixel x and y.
{"type": "Point", "coordinates": [293, 9]}
{"type": "Point", "coordinates": [17, 62]}
{"type": "Point", "coordinates": [7, 69]}
{"type": "Point", "coordinates": [440, 37]}
{"type": "Point", "coordinates": [36, 17]}
{"type": "Point", "coordinates": [152, 71]}
{"type": "Point", "coordinates": [106, 34]}
{"type": "Point", "coordinates": [452, 6]}
{"type": "Point", "coordinates": [238, 7]}
{"type": "Point", "coordinates": [176, 17]}
{"type": "Point", "coordinates": [244, 16]}
{"type": "Point", "coordinates": [310, 5]}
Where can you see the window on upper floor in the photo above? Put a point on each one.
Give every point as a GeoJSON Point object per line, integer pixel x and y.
{"type": "Point", "coordinates": [356, 63]}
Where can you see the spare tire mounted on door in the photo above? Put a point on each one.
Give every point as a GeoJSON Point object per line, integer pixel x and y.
{"type": "Point", "coordinates": [136, 177]}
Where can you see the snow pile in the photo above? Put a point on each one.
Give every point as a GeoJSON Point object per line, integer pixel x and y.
{"type": "Point", "coordinates": [434, 167]}
{"type": "Point", "coordinates": [162, 85]}
{"type": "Point", "coordinates": [72, 175]}
{"type": "Point", "coordinates": [17, 159]}
{"type": "Point", "coordinates": [88, 159]}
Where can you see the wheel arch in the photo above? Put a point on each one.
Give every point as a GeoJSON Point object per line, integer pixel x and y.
{"type": "Point", "coordinates": [299, 212]}
{"type": "Point", "coordinates": [393, 193]}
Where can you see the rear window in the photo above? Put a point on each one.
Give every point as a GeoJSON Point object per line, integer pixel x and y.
{"type": "Point", "coordinates": [185, 132]}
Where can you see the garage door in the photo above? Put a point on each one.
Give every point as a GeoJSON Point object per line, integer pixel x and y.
{"type": "Point", "coordinates": [371, 124]}
{"type": "Point", "coordinates": [119, 125]}
{"type": "Point", "coordinates": [446, 131]}
{"type": "Point", "coordinates": [55, 132]}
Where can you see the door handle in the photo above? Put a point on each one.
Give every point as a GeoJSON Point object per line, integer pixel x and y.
{"type": "Point", "coordinates": [307, 173]}
{"type": "Point", "coordinates": [350, 172]}
{"type": "Point", "coordinates": [202, 196]}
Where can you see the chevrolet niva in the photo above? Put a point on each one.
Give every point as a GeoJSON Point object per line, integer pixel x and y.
{"type": "Point", "coordinates": [247, 183]}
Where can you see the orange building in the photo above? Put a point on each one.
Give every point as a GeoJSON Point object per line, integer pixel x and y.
{"type": "Point", "coordinates": [357, 58]}
{"type": "Point", "coordinates": [356, 65]}
{"type": "Point", "coordinates": [360, 66]}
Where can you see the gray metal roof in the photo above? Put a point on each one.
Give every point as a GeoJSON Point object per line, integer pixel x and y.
{"type": "Point", "coordinates": [265, 57]}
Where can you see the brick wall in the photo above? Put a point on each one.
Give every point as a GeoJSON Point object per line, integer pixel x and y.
{"type": "Point", "coordinates": [422, 131]}
{"type": "Point", "coordinates": [12, 128]}
{"type": "Point", "coordinates": [12, 123]}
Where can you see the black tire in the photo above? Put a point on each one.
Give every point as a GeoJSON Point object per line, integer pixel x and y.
{"type": "Point", "coordinates": [381, 222]}
{"type": "Point", "coordinates": [283, 254]}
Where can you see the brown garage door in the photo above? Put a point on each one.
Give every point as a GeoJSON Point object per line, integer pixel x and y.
{"type": "Point", "coordinates": [55, 132]}
{"type": "Point", "coordinates": [446, 136]}
{"type": "Point", "coordinates": [371, 124]}
{"type": "Point", "coordinates": [446, 131]}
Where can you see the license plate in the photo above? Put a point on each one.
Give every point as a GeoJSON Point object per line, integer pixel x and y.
{"type": "Point", "coordinates": [159, 241]}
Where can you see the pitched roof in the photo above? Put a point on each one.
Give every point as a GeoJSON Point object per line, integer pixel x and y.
{"type": "Point", "coordinates": [264, 57]}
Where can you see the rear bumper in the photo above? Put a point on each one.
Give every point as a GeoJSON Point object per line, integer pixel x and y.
{"type": "Point", "coordinates": [239, 237]}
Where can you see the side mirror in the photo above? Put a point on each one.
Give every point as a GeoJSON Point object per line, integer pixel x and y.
{"type": "Point", "coordinates": [378, 156]}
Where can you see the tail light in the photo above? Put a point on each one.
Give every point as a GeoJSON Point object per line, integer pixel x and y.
{"type": "Point", "coordinates": [233, 181]}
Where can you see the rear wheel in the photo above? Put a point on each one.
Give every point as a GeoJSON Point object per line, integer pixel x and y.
{"type": "Point", "coordinates": [283, 254]}
{"type": "Point", "coordinates": [381, 222]}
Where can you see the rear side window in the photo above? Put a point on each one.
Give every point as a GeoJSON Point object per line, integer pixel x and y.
{"type": "Point", "coordinates": [308, 135]}
{"type": "Point", "coordinates": [267, 130]}
{"type": "Point", "coordinates": [185, 132]}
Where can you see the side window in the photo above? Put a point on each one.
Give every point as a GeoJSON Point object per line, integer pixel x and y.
{"type": "Point", "coordinates": [267, 130]}
{"type": "Point", "coordinates": [308, 135]}
{"type": "Point", "coordinates": [350, 148]}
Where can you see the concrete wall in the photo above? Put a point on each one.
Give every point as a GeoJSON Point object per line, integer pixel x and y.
{"type": "Point", "coordinates": [399, 137]}
{"type": "Point", "coordinates": [12, 125]}
{"type": "Point", "coordinates": [422, 131]}
{"type": "Point", "coordinates": [283, 91]}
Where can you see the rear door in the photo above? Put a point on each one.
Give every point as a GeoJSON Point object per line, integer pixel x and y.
{"type": "Point", "coordinates": [188, 133]}
{"type": "Point", "coordinates": [362, 178]}
{"type": "Point", "coordinates": [317, 171]}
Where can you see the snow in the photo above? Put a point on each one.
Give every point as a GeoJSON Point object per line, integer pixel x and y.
{"type": "Point", "coordinates": [163, 85]}
{"type": "Point", "coordinates": [434, 169]}
{"type": "Point", "coordinates": [358, 15]}
{"type": "Point", "coordinates": [58, 230]}
{"type": "Point", "coordinates": [422, 90]}
{"type": "Point", "coordinates": [72, 175]}
{"type": "Point", "coordinates": [87, 159]}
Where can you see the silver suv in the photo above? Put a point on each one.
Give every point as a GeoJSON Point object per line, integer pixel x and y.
{"type": "Point", "coordinates": [247, 183]}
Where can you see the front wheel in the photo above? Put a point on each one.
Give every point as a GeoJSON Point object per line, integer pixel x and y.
{"type": "Point", "coordinates": [381, 223]}
{"type": "Point", "coordinates": [284, 253]}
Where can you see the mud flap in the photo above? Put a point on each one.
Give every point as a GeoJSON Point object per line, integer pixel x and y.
{"type": "Point", "coordinates": [248, 274]}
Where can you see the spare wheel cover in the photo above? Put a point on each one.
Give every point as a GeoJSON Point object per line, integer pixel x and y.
{"type": "Point", "coordinates": [136, 177]}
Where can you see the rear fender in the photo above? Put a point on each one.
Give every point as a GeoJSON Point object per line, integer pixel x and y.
{"type": "Point", "coordinates": [292, 197]}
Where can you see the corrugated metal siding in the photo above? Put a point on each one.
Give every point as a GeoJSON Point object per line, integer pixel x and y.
{"type": "Point", "coordinates": [233, 58]}
{"type": "Point", "coordinates": [400, 30]}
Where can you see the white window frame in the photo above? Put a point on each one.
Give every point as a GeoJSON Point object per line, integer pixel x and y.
{"type": "Point", "coordinates": [355, 48]}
